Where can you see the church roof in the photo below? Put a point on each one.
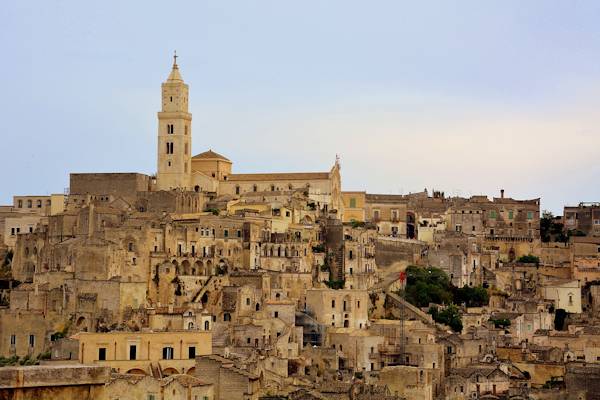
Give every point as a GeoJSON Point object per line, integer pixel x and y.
{"type": "Point", "coordinates": [175, 76]}
{"type": "Point", "coordinates": [210, 155]}
{"type": "Point", "coordinates": [279, 176]}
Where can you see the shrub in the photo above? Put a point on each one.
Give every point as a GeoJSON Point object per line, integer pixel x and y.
{"type": "Point", "coordinates": [529, 259]}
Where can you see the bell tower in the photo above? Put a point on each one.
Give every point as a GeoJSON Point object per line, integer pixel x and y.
{"type": "Point", "coordinates": [174, 134]}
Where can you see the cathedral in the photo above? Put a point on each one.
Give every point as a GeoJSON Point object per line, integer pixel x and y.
{"type": "Point", "coordinates": [211, 172]}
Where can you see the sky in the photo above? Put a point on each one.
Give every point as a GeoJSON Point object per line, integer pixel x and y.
{"type": "Point", "coordinates": [467, 97]}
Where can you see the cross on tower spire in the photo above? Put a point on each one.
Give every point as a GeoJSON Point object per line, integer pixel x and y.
{"type": "Point", "coordinates": [175, 58]}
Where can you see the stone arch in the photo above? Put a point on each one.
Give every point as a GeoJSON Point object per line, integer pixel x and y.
{"type": "Point", "coordinates": [199, 267]}
{"type": "Point", "coordinates": [191, 371]}
{"type": "Point", "coordinates": [170, 371]}
{"type": "Point", "coordinates": [81, 322]}
{"type": "Point", "coordinates": [137, 371]}
{"type": "Point", "coordinates": [186, 267]}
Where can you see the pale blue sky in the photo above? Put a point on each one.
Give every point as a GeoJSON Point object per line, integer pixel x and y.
{"type": "Point", "coordinates": [463, 96]}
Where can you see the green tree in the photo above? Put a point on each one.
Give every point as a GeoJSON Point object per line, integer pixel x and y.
{"type": "Point", "coordinates": [449, 316]}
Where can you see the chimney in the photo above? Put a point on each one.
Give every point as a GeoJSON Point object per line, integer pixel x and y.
{"type": "Point", "coordinates": [501, 193]}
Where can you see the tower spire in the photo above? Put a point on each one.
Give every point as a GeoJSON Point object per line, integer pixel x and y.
{"type": "Point", "coordinates": [175, 75]}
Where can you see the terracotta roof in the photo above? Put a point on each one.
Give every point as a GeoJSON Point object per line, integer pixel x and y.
{"type": "Point", "coordinates": [210, 155]}
{"type": "Point", "coordinates": [285, 176]}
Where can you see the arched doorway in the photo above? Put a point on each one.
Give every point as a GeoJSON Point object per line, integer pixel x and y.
{"type": "Point", "coordinates": [410, 225]}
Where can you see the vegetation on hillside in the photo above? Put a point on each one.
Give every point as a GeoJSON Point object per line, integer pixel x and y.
{"type": "Point", "coordinates": [432, 285]}
{"type": "Point", "coordinates": [449, 316]}
{"type": "Point", "coordinates": [529, 259]}
{"type": "Point", "coordinates": [425, 286]}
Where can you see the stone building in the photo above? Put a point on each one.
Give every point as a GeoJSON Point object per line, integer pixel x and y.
{"type": "Point", "coordinates": [346, 308]}
{"type": "Point", "coordinates": [170, 352]}
{"type": "Point", "coordinates": [585, 217]}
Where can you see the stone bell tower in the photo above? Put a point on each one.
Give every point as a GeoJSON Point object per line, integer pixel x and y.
{"type": "Point", "coordinates": [174, 134]}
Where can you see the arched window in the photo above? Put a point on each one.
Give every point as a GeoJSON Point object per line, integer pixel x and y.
{"type": "Point", "coordinates": [237, 189]}
{"type": "Point", "coordinates": [254, 188]}
{"type": "Point", "coordinates": [190, 325]}
{"type": "Point", "coordinates": [206, 325]}
{"type": "Point", "coordinates": [29, 204]}
{"type": "Point", "coordinates": [39, 204]}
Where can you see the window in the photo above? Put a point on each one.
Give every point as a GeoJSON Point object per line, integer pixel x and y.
{"type": "Point", "coordinates": [102, 353]}
{"type": "Point", "coordinates": [350, 255]}
{"type": "Point", "coordinates": [185, 130]}
{"type": "Point", "coordinates": [276, 314]}
{"type": "Point", "coordinates": [20, 204]}
{"type": "Point", "coordinates": [13, 340]}
{"type": "Point", "coordinates": [39, 204]}
{"type": "Point", "coordinates": [206, 325]}
{"type": "Point", "coordinates": [132, 352]}
{"type": "Point", "coordinates": [248, 301]}
{"type": "Point", "coordinates": [529, 214]}
{"type": "Point", "coordinates": [167, 353]}
{"type": "Point", "coordinates": [272, 188]}
{"type": "Point", "coordinates": [192, 352]}
{"type": "Point", "coordinates": [332, 303]}
{"type": "Point", "coordinates": [458, 228]}
{"type": "Point", "coordinates": [185, 149]}
{"type": "Point", "coordinates": [151, 397]}
{"type": "Point", "coordinates": [171, 129]}
{"type": "Point", "coordinates": [510, 214]}
{"type": "Point", "coordinates": [375, 214]}
{"type": "Point", "coordinates": [169, 147]}
{"type": "Point", "coordinates": [352, 202]}
{"type": "Point", "coordinates": [239, 233]}
{"type": "Point", "coordinates": [237, 189]}
{"type": "Point", "coordinates": [226, 233]}
{"type": "Point", "coordinates": [254, 188]}
{"type": "Point", "coordinates": [493, 214]}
